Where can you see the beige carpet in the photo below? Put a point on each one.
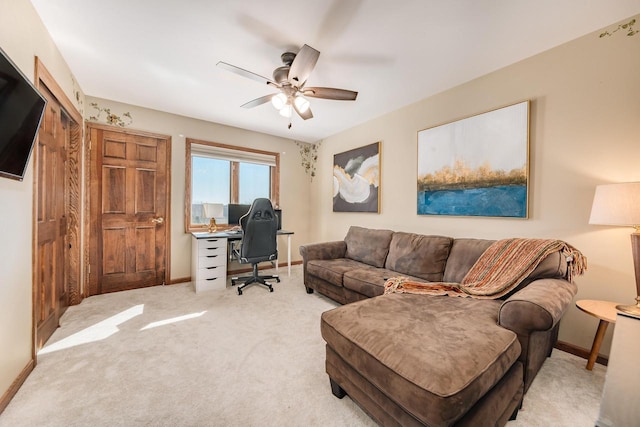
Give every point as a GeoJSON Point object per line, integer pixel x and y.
{"type": "Point", "coordinates": [165, 356]}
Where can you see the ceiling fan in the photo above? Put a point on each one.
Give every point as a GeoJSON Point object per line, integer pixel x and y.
{"type": "Point", "coordinates": [290, 79]}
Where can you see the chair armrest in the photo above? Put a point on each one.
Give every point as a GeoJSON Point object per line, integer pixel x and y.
{"type": "Point", "coordinates": [325, 250]}
{"type": "Point", "coordinates": [537, 307]}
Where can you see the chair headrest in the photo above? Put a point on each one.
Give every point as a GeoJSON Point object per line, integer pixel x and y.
{"type": "Point", "coordinates": [261, 210]}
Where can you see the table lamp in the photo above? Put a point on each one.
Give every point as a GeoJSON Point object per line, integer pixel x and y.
{"type": "Point", "coordinates": [213, 211]}
{"type": "Point", "coordinates": [619, 204]}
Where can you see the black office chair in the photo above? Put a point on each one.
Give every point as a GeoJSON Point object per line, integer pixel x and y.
{"type": "Point", "coordinates": [259, 228]}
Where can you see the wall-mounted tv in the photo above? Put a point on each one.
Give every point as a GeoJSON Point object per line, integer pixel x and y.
{"type": "Point", "coordinates": [21, 110]}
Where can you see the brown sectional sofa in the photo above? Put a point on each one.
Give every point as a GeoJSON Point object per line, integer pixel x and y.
{"type": "Point", "coordinates": [423, 360]}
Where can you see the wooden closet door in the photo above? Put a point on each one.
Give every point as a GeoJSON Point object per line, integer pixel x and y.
{"type": "Point", "coordinates": [51, 290]}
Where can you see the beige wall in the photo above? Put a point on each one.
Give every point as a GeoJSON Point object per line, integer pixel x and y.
{"type": "Point", "coordinates": [22, 36]}
{"type": "Point", "coordinates": [585, 130]}
{"type": "Point", "coordinates": [294, 183]}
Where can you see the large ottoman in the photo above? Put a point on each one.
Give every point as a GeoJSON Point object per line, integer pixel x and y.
{"type": "Point", "coordinates": [423, 360]}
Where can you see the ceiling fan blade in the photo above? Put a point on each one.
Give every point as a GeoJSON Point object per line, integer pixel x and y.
{"type": "Point", "coordinates": [330, 93]}
{"type": "Point", "coordinates": [306, 115]}
{"type": "Point", "coordinates": [302, 65]}
{"type": "Point", "coordinates": [258, 101]}
{"type": "Point", "coordinates": [248, 74]}
{"type": "Point", "coordinates": [336, 21]}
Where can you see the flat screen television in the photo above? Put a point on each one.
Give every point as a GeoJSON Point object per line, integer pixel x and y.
{"type": "Point", "coordinates": [21, 111]}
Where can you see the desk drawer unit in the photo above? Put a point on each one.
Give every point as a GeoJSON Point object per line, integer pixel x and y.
{"type": "Point", "coordinates": [209, 263]}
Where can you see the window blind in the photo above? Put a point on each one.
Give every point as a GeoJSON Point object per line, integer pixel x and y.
{"type": "Point", "coordinates": [232, 155]}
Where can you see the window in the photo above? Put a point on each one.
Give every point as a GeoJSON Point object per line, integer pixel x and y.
{"type": "Point", "coordinates": [218, 175]}
{"type": "Point", "coordinates": [254, 182]}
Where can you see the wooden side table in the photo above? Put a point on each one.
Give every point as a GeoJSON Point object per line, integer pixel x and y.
{"type": "Point", "coordinates": [606, 312]}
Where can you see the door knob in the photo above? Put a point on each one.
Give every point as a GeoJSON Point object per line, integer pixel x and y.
{"type": "Point", "coordinates": [157, 220]}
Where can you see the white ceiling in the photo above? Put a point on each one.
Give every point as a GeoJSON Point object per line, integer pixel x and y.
{"type": "Point", "coordinates": [162, 54]}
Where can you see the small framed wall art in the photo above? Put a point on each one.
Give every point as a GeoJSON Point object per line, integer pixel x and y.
{"type": "Point", "coordinates": [356, 179]}
{"type": "Point", "coordinates": [478, 166]}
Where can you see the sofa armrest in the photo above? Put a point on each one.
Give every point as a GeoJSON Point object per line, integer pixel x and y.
{"type": "Point", "coordinates": [325, 250]}
{"type": "Point", "coordinates": [537, 307]}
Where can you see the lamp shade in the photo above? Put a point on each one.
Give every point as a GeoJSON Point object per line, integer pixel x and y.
{"type": "Point", "coordinates": [616, 204]}
{"type": "Point", "coordinates": [213, 210]}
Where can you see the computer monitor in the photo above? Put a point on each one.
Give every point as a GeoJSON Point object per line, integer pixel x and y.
{"type": "Point", "coordinates": [279, 216]}
{"type": "Point", "coordinates": [236, 212]}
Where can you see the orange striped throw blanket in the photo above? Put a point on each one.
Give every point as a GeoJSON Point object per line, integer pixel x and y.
{"type": "Point", "coordinates": [499, 270]}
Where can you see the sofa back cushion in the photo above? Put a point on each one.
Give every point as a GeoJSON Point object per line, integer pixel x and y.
{"type": "Point", "coordinates": [554, 266]}
{"type": "Point", "coordinates": [418, 255]}
{"type": "Point", "coordinates": [465, 252]}
{"type": "Point", "coordinates": [367, 245]}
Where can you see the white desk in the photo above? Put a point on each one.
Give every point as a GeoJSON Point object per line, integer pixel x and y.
{"type": "Point", "coordinates": [208, 262]}
{"type": "Point", "coordinates": [206, 255]}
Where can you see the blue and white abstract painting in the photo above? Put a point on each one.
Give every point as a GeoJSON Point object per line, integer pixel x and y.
{"type": "Point", "coordinates": [477, 166]}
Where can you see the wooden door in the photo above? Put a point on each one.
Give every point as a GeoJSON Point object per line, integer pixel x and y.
{"type": "Point", "coordinates": [57, 209]}
{"type": "Point", "coordinates": [51, 286]}
{"type": "Point", "coordinates": [129, 207]}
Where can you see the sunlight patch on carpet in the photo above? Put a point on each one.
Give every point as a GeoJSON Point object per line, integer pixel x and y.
{"type": "Point", "coordinates": [97, 332]}
{"type": "Point", "coordinates": [172, 320]}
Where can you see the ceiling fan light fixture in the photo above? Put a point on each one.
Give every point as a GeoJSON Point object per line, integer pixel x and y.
{"type": "Point", "coordinates": [290, 79]}
{"type": "Point", "coordinates": [286, 111]}
{"type": "Point", "coordinates": [279, 101]}
{"type": "Point", "coordinates": [302, 104]}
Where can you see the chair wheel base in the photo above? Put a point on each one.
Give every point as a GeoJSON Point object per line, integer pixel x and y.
{"type": "Point", "coordinates": [254, 279]}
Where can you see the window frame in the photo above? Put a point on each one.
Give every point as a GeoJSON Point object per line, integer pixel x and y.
{"type": "Point", "coordinates": [235, 178]}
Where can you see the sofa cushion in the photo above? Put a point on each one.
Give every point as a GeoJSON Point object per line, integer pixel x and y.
{"type": "Point", "coordinates": [369, 281]}
{"type": "Point", "coordinates": [417, 255]}
{"type": "Point", "coordinates": [464, 253]}
{"type": "Point", "coordinates": [331, 270]}
{"type": "Point", "coordinates": [368, 246]}
{"type": "Point", "coordinates": [554, 266]}
{"type": "Point", "coordinates": [436, 356]}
